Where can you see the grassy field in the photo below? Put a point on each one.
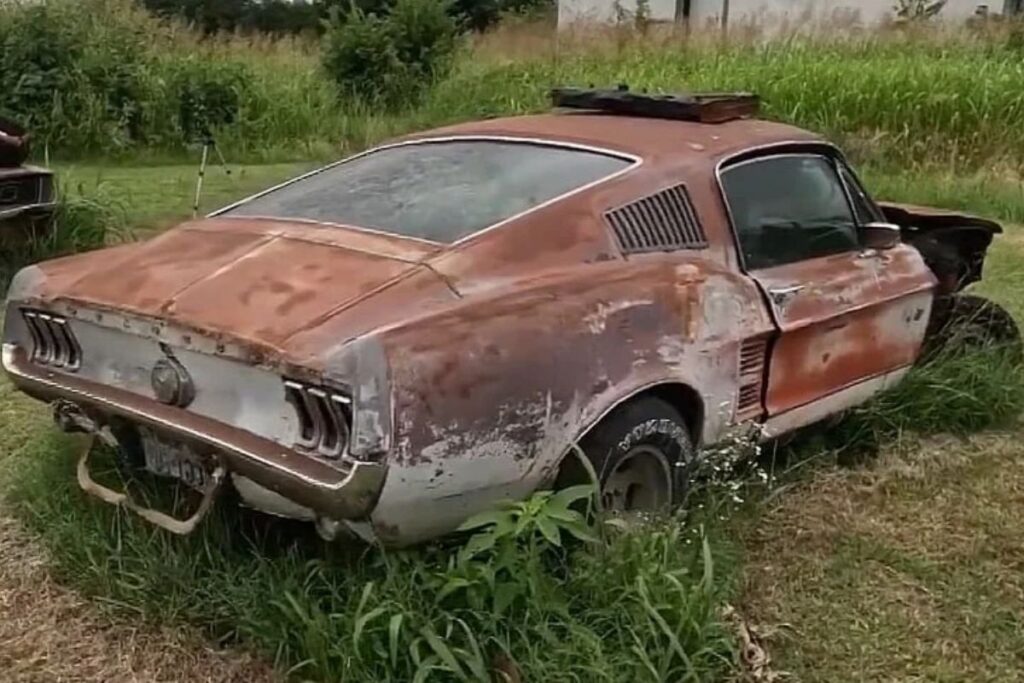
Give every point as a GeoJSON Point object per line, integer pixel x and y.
{"type": "Point", "coordinates": [119, 83]}
{"type": "Point", "coordinates": [890, 557]}
{"type": "Point", "coordinates": [894, 562]}
{"type": "Point", "coordinates": [156, 197]}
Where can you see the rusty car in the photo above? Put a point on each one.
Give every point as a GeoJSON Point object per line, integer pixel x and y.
{"type": "Point", "coordinates": [26, 192]}
{"type": "Point", "coordinates": [399, 340]}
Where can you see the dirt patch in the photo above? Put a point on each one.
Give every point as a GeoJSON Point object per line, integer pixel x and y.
{"type": "Point", "coordinates": [49, 633]}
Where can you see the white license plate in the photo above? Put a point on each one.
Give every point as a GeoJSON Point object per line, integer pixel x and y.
{"type": "Point", "coordinates": [176, 460]}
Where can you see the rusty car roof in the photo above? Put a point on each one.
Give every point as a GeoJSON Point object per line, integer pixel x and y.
{"type": "Point", "coordinates": [643, 137]}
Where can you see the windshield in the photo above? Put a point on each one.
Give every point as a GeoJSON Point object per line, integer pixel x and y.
{"type": "Point", "coordinates": [438, 191]}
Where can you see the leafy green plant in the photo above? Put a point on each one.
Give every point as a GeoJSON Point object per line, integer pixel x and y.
{"type": "Point", "coordinates": [497, 566]}
{"type": "Point", "coordinates": [390, 59]}
{"type": "Point", "coordinates": [38, 58]}
{"type": "Point", "coordinates": [360, 55]}
{"type": "Point", "coordinates": [209, 95]}
{"type": "Point", "coordinates": [424, 34]}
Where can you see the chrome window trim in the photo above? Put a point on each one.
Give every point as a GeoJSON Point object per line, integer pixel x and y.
{"type": "Point", "coordinates": [818, 148]}
{"type": "Point", "coordinates": [635, 162]}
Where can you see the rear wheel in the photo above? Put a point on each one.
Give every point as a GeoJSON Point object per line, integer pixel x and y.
{"type": "Point", "coordinates": [643, 456]}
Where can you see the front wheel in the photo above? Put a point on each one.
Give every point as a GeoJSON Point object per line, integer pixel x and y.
{"type": "Point", "coordinates": [643, 456]}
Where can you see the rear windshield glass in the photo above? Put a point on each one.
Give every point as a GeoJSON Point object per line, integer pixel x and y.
{"type": "Point", "coordinates": [439, 191]}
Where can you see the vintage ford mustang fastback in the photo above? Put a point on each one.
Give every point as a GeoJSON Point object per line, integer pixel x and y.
{"type": "Point", "coordinates": [396, 341]}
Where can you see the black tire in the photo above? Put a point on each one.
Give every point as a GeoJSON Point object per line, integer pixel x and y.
{"type": "Point", "coordinates": [964, 323]}
{"type": "Point", "coordinates": [643, 456]}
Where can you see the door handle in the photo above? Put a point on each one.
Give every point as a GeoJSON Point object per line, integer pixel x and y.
{"type": "Point", "coordinates": [780, 296]}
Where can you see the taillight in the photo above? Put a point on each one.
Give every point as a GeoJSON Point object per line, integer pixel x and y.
{"type": "Point", "coordinates": [53, 341]}
{"type": "Point", "coordinates": [323, 416]}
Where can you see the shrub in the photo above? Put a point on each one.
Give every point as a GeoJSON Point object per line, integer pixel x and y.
{"type": "Point", "coordinates": [360, 55]}
{"type": "Point", "coordinates": [38, 58]}
{"type": "Point", "coordinates": [424, 34]}
{"type": "Point", "coordinates": [208, 94]}
{"type": "Point", "coordinates": [391, 59]}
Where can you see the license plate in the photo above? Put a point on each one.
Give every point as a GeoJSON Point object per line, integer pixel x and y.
{"type": "Point", "coordinates": [176, 460]}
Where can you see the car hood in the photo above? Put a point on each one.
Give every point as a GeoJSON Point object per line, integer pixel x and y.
{"type": "Point", "coordinates": [258, 281]}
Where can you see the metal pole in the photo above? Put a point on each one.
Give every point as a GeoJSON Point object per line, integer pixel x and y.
{"type": "Point", "coordinates": [725, 19]}
{"type": "Point", "coordinates": [199, 180]}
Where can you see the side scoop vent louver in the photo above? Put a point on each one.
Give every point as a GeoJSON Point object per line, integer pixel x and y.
{"type": "Point", "coordinates": [753, 354]}
{"type": "Point", "coordinates": [324, 417]}
{"type": "Point", "coordinates": [53, 342]}
{"type": "Point", "coordinates": [663, 221]}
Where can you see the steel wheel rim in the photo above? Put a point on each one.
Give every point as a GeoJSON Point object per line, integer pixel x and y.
{"type": "Point", "coordinates": [640, 481]}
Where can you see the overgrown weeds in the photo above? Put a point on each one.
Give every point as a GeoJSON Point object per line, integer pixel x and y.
{"type": "Point", "coordinates": [107, 79]}
{"type": "Point", "coordinates": [531, 592]}
{"type": "Point", "coordinates": [80, 222]}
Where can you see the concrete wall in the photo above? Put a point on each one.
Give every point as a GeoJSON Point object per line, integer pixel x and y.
{"type": "Point", "coordinates": [768, 13]}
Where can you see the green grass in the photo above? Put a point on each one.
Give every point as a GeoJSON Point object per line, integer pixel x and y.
{"type": "Point", "coordinates": [920, 116]}
{"type": "Point", "coordinates": [158, 196]}
{"type": "Point", "coordinates": [901, 95]}
{"type": "Point", "coordinates": [643, 607]}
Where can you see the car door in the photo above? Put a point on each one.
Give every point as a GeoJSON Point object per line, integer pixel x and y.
{"type": "Point", "coordinates": [849, 320]}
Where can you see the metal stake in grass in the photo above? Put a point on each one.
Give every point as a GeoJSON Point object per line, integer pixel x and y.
{"type": "Point", "coordinates": [208, 143]}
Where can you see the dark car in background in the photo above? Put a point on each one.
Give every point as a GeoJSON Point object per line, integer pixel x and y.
{"type": "Point", "coordinates": [26, 192]}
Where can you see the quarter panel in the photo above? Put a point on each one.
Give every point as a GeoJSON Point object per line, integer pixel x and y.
{"type": "Point", "coordinates": [489, 396]}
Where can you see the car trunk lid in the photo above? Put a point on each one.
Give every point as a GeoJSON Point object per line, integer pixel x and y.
{"type": "Point", "coordinates": [253, 280]}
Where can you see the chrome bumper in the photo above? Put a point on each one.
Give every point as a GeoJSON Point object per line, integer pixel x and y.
{"type": "Point", "coordinates": [348, 493]}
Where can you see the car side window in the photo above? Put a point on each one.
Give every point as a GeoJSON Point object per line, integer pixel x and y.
{"type": "Point", "coordinates": [863, 207]}
{"type": "Point", "coordinates": [789, 208]}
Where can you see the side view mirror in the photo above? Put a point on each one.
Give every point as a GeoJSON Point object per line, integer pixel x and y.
{"type": "Point", "coordinates": [880, 235]}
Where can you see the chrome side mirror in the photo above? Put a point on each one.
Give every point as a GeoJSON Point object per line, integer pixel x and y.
{"type": "Point", "coordinates": [880, 235]}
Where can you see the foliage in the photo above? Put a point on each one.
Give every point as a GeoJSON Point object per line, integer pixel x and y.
{"type": "Point", "coordinates": [361, 56]}
{"type": "Point", "coordinates": [267, 16]}
{"type": "Point", "coordinates": [298, 16]}
{"type": "Point", "coordinates": [390, 59]}
{"type": "Point", "coordinates": [533, 592]}
{"type": "Point", "coordinates": [106, 78]}
{"type": "Point", "coordinates": [209, 95]}
{"type": "Point", "coordinates": [481, 15]}
{"type": "Point", "coordinates": [80, 222]}
{"type": "Point", "coordinates": [918, 10]}
{"type": "Point", "coordinates": [37, 63]}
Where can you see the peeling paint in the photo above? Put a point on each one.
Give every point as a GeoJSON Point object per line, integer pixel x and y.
{"type": "Point", "coordinates": [473, 368]}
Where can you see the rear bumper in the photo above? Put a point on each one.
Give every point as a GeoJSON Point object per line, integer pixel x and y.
{"type": "Point", "coordinates": [346, 493]}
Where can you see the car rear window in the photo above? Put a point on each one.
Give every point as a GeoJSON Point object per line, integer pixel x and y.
{"type": "Point", "coordinates": [439, 191]}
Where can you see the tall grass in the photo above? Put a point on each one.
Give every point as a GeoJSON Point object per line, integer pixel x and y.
{"type": "Point", "coordinates": [523, 599]}
{"type": "Point", "coordinates": [641, 605]}
{"type": "Point", "coordinates": [79, 223]}
{"type": "Point", "coordinates": [912, 100]}
{"type": "Point", "coordinates": [908, 95]}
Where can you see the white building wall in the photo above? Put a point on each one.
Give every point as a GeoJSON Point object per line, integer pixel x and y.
{"type": "Point", "coordinates": [764, 12]}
